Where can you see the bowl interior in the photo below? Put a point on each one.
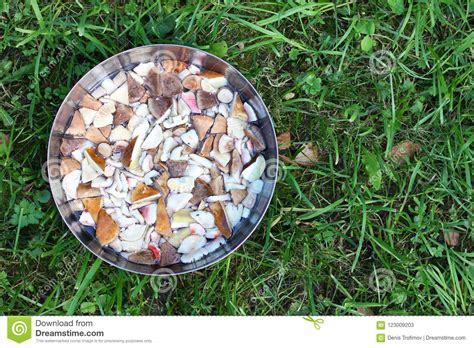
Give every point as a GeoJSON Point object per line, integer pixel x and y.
{"type": "Point", "coordinates": [128, 60]}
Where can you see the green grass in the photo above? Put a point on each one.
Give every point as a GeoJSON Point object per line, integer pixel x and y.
{"type": "Point", "coordinates": [329, 226]}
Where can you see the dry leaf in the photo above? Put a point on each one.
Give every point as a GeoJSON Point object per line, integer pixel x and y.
{"type": "Point", "coordinates": [284, 140]}
{"type": "Point", "coordinates": [403, 151]}
{"type": "Point", "coordinates": [451, 238]}
{"type": "Point", "coordinates": [308, 156]}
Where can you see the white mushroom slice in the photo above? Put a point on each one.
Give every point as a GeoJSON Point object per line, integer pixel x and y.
{"type": "Point", "coordinates": [234, 213]}
{"type": "Point", "coordinates": [109, 171]}
{"type": "Point", "coordinates": [142, 110]}
{"type": "Point", "coordinates": [136, 214]}
{"type": "Point", "coordinates": [121, 94]}
{"type": "Point", "coordinates": [102, 120]}
{"type": "Point", "coordinates": [256, 186]}
{"type": "Point", "coordinates": [212, 233]}
{"type": "Point", "coordinates": [147, 179]}
{"type": "Point", "coordinates": [181, 185]}
{"type": "Point", "coordinates": [183, 74]}
{"type": "Point", "coordinates": [147, 163]}
{"type": "Point", "coordinates": [226, 144]}
{"type": "Point", "coordinates": [223, 109]}
{"type": "Point", "coordinates": [182, 108]}
{"type": "Point", "coordinates": [194, 256]}
{"type": "Point", "coordinates": [255, 170]}
{"type": "Point", "coordinates": [194, 69]}
{"type": "Point", "coordinates": [214, 245]}
{"type": "Point", "coordinates": [235, 127]}
{"type": "Point", "coordinates": [193, 171]}
{"type": "Point", "coordinates": [142, 69]}
{"type": "Point", "coordinates": [204, 218]}
{"type": "Point", "coordinates": [134, 122]}
{"type": "Point", "coordinates": [70, 184]}
{"type": "Point", "coordinates": [197, 229]}
{"type": "Point", "coordinates": [201, 161]}
{"type": "Point", "coordinates": [246, 157]}
{"type": "Point", "coordinates": [246, 213]}
{"type": "Point", "coordinates": [191, 243]}
{"type": "Point", "coordinates": [182, 218]}
{"type": "Point", "coordinates": [219, 198]}
{"type": "Point", "coordinates": [225, 95]}
{"type": "Point", "coordinates": [177, 201]}
{"type": "Point", "coordinates": [154, 138]}
{"type": "Point", "coordinates": [116, 245]}
{"type": "Point", "coordinates": [101, 182]}
{"type": "Point", "coordinates": [218, 82]}
{"type": "Point", "coordinates": [132, 246]}
{"type": "Point", "coordinates": [141, 130]}
{"type": "Point", "coordinates": [175, 121]}
{"type": "Point", "coordinates": [176, 154]}
{"type": "Point", "coordinates": [88, 116]}
{"type": "Point", "coordinates": [190, 138]}
{"type": "Point", "coordinates": [108, 85]}
{"type": "Point", "coordinates": [120, 133]}
{"type": "Point", "coordinates": [168, 146]}
{"type": "Point", "coordinates": [86, 219]}
{"type": "Point", "coordinates": [104, 149]}
{"type": "Point", "coordinates": [88, 171]}
{"type": "Point", "coordinates": [77, 154]}
{"type": "Point", "coordinates": [207, 87]}
{"type": "Point", "coordinates": [233, 186]}
{"type": "Point", "coordinates": [221, 158]}
{"type": "Point", "coordinates": [149, 213]}
{"type": "Point", "coordinates": [250, 112]}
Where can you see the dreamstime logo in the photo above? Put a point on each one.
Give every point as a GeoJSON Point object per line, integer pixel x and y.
{"type": "Point", "coordinates": [161, 56]}
{"type": "Point", "coordinates": [19, 328]}
{"type": "Point", "coordinates": [54, 170]}
{"type": "Point", "coordinates": [382, 280]}
{"type": "Point", "coordinates": [163, 280]}
{"type": "Point", "coordinates": [274, 170]}
{"type": "Point", "coordinates": [381, 62]}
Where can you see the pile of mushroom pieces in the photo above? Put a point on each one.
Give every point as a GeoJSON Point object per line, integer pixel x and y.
{"type": "Point", "coordinates": [163, 161]}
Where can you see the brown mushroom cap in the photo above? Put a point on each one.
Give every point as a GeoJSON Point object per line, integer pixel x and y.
{"type": "Point", "coordinates": [201, 124]}
{"type": "Point", "coordinates": [222, 223]}
{"type": "Point", "coordinates": [135, 90]}
{"type": "Point", "coordinates": [122, 114]}
{"type": "Point", "coordinates": [159, 105]}
{"type": "Point", "coordinates": [205, 100]}
{"type": "Point", "coordinates": [143, 191]}
{"type": "Point", "coordinates": [127, 154]}
{"type": "Point", "coordinates": [162, 224]}
{"type": "Point", "coordinates": [107, 229]}
{"type": "Point", "coordinates": [170, 84]}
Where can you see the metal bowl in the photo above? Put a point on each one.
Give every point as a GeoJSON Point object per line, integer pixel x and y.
{"type": "Point", "coordinates": [128, 60]}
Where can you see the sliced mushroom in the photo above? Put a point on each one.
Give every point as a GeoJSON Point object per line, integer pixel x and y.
{"type": "Point", "coordinates": [162, 225]}
{"type": "Point", "coordinates": [205, 100]}
{"type": "Point", "coordinates": [220, 125]}
{"type": "Point", "coordinates": [202, 124]}
{"type": "Point", "coordinates": [107, 229]}
{"type": "Point", "coordinates": [220, 217]}
{"type": "Point", "coordinates": [135, 90]}
{"type": "Point", "coordinates": [77, 126]}
{"type": "Point", "coordinates": [159, 105]}
{"type": "Point", "coordinates": [170, 84]}
{"type": "Point", "coordinates": [123, 113]}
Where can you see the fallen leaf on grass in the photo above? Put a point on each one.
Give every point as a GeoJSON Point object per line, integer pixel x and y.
{"type": "Point", "coordinates": [365, 311]}
{"type": "Point", "coordinates": [284, 140]}
{"type": "Point", "coordinates": [403, 151]}
{"type": "Point", "coordinates": [451, 238]}
{"type": "Point", "coordinates": [308, 156]}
